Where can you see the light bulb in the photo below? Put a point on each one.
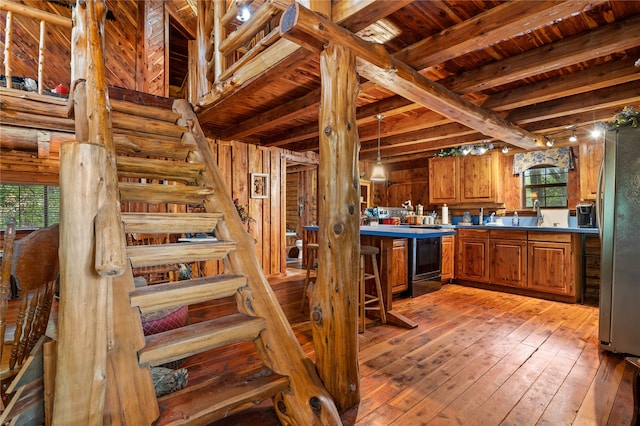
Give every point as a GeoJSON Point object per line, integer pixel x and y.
{"type": "Point", "coordinates": [244, 14]}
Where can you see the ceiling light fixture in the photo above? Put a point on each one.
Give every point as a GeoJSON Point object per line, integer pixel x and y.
{"type": "Point", "coordinates": [505, 149]}
{"type": "Point", "coordinates": [244, 14]}
{"type": "Point", "coordinates": [377, 175]}
{"type": "Point", "coordinates": [550, 142]}
{"type": "Point", "coordinates": [573, 137]}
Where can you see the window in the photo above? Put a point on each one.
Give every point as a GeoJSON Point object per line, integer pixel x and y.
{"type": "Point", "coordinates": [547, 184]}
{"type": "Point", "coordinates": [33, 206]}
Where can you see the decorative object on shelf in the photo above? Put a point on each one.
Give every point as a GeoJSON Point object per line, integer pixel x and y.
{"type": "Point", "coordinates": [478, 149]}
{"type": "Point", "coordinates": [243, 212]}
{"type": "Point", "coordinates": [627, 117]}
{"type": "Point", "coordinates": [377, 175]}
{"type": "Point", "coordinates": [259, 185]}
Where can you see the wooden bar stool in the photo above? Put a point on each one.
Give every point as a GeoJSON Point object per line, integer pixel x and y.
{"type": "Point", "coordinates": [312, 256]}
{"type": "Point", "coordinates": [365, 298]}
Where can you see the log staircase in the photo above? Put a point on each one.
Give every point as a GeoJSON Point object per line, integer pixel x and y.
{"type": "Point", "coordinates": [188, 176]}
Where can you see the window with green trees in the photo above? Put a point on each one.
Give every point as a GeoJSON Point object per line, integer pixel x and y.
{"type": "Point", "coordinates": [33, 206]}
{"type": "Point", "coordinates": [547, 184]}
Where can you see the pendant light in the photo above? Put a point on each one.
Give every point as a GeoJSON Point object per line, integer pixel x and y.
{"type": "Point", "coordinates": [377, 175]}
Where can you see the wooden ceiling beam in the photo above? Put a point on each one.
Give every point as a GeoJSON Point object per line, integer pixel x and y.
{"type": "Point", "coordinates": [492, 26]}
{"type": "Point", "coordinates": [567, 52]}
{"type": "Point", "coordinates": [274, 117]}
{"type": "Point", "coordinates": [598, 77]}
{"type": "Point", "coordinates": [626, 94]}
{"type": "Point", "coordinates": [355, 15]}
{"type": "Point", "coordinates": [376, 64]}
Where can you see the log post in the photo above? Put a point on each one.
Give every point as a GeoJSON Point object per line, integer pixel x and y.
{"type": "Point", "coordinates": [333, 298]}
{"type": "Point", "coordinates": [81, 372]}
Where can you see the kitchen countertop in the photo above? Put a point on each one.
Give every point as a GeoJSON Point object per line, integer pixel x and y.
{"type": "Point", "coordinates": [415, 231]}
{"type": "Point", "coordinates": [525, 228]}
{"type": "Point", "coordinates": [399, 231]}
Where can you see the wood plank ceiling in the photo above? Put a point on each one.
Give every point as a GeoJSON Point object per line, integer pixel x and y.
{"type": "Point", "coordinates": [542, 66]}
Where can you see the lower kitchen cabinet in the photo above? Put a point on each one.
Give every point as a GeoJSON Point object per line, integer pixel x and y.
{"type": "Point", "coordinates": [448, 256]}
{"type": "Point", "coordinates": [508, 253]}
{"type": "Point", "coordinates": [536, 262]}
{"type": "Point", "coordinates": [398, 270]}
{"type": "Point", "coordinates": [554, 263]}
{"type": "Point", "coordinates": [473, 255]}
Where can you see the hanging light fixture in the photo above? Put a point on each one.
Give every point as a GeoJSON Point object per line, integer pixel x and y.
{"type": "Point", "coordinates": [573, 137]}
{"type": "Point", "coordinates": [377, 175]}
{"type": "Point", "coordinates": [505, 149]}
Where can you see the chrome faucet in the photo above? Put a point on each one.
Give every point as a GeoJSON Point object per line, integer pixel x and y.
{"type": "Point", "coordinates": [536, 208]}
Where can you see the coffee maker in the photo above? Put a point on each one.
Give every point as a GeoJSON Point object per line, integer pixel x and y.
{"type": "Point", "coordinates": [585, 214]}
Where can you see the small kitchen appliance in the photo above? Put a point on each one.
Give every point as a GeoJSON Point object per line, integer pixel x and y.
{"type": "Point", "coordinates": [585, 214]}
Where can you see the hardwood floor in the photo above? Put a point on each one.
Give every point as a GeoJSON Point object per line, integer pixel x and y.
{"type": "Point", "coordinates": [477, 357]}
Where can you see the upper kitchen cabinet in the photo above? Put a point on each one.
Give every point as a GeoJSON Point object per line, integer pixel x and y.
{"type": "Point", "coordinates": [460, 180]}
{"type": "Point", "coordinates": [591, 154]}
{"type": "Point", "coordinates": [444, 180]}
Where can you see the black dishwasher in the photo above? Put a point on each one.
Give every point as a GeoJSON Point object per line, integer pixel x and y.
{"type": "Point", "coordinates": [425, 259]}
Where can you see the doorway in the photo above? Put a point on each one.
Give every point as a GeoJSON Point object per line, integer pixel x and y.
{"type": "Point", "coordinates": [301, 207]}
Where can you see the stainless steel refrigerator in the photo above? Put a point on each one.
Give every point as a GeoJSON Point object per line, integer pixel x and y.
{"type": "Point", "coordinates": [619, 223]}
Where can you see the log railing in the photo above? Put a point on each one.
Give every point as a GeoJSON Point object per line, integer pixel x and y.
{"type": "Point", "coordinates": [45, 18]}
{"type": "Point", "coordinates": [228, 52]}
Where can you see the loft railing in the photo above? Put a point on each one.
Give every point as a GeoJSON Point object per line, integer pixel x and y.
{"type": "Point", "coordinates": [45, 18]}
{"type": "Point", "coordinates": [228, 51]}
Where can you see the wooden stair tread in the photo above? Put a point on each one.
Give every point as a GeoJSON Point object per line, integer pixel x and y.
{"type": "Point", "coordinates": [170, 223]}
{"type": "Point", "coordinates": [211, 401]}
{"type": "Point", "coordinates": [146, 125]}
{"type": "Point", "coordinates": [195, 338]}
{"type": "Point", "coordinates": [148, 168]}
{"type": "Point", "coordinates": [167, 295]}
{"type": "Point", "coordinates": [158, 194]}
{"type": "Point", "coordinates": [162, 254]}
{"type": "Point", "coordinates": [134, 144]}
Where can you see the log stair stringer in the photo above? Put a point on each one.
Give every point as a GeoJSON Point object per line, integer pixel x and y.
{"type": "Point", "coordinates": [194, 182]}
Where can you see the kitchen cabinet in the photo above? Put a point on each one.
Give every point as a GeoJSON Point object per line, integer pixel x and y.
{"type": "Point", "coordinates": [535, 262]}
{"type": "Point", "coordinates": [444, 180]}
{"type": "Point", "coordinates": [508, 258]}
{"type": "Point", "coordinates": [468, 179]}
{"type": "Point", "coordinates": [473, 255]}
{"type": "Point", "coordinates": [591, 154]}
{"type": "Point", "coordinates": [393, 263]}
{"type": "Point", "coordinates": [396, 265]}
{"type": "Point", "coordinates": [365, 194]}
{"type": "Point", "coordinates": [554, 263]}
{"type": "Point", "coordinates": [448, 256]}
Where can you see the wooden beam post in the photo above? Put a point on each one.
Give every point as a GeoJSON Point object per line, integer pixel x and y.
{"type": "Point", "coordinates": [81, 370]}
{"type": "Point", "coordinates": [333, 297]}
{"type": "Point", "coordinates": [313, 31]}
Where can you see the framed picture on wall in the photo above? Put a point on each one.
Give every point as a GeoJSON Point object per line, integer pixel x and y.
{"type": "Point", "coordinates": [259, 185]}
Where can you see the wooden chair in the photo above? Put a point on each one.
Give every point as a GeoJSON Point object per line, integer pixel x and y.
{"type": "Point", "coordinates": [33, 262]}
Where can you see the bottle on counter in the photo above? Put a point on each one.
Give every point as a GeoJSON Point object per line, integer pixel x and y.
{"type": "Point", "coordinates": [516, 220]}
{"type": "Point", "coordinates": [445, 215]}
